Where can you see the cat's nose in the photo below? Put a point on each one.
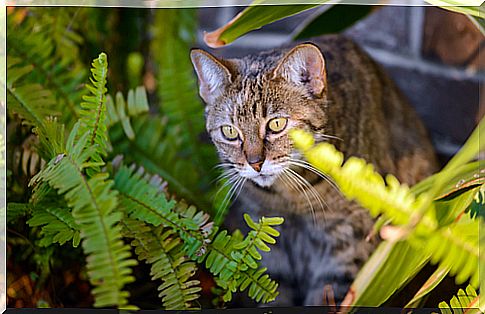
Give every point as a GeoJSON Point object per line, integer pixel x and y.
{"type": "Point", "coordinates": [256, 164]}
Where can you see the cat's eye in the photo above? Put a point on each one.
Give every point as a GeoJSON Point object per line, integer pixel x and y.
{"type": "Point", "coordinates": [277, 125]}
{"type": "Point", "coordinates": [229, 132]}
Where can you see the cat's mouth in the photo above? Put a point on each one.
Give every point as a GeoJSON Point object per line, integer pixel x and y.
{"type": "Point", "coordinates": [265, 177]}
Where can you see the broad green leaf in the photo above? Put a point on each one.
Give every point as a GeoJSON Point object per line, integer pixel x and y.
{"type": "Point", "coordinates": [385, 272]}
{"type": "Point", "coordinates": [262, 12]}
{"type": "Point", "coordinates": [449, 209]}
{"type": "Point", "coordinates": [333, 20]}
{"type": "Point", "coordinates": [458, 6]}
{"type": "Point", "coordinates": [258, 14]}
{"type": "Point", "coordinates": [428, 286]}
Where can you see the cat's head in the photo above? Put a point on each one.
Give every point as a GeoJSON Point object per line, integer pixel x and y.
{"type": "Point", "coordinates": [252, 103]}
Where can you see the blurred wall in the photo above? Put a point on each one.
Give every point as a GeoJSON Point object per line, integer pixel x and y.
{"type": "Point", "coordinates": [434, 56]}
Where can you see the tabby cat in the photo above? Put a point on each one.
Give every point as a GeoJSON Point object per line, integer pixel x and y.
{"type": "Point", "coordinates": [332, 89]}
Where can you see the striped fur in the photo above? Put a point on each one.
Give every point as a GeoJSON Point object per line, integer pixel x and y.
{"type": "Point", "coordinates": [323, 240]}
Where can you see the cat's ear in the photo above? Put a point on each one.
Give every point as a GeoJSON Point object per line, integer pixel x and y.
{"type": "Point", "coordinates": [304, 65]}
{"type": "Point", "coordinates": [212, 74]}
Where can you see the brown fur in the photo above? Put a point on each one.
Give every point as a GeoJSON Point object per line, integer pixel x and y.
{"type": "Point", "coordinates": [345, 96]}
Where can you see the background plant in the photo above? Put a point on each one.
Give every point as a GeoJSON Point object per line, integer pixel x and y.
{"type": "Point", "coordinates": [72, 185]}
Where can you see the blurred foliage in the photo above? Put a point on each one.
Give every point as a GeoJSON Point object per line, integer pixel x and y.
{"type": "Point", "coordinates": [414, 229]}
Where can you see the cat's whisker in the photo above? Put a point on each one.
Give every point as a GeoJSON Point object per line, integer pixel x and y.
{"type": "Point", "coordinates": [240, 189]}
{"type": "Point", "coordinates": [231, 192]}
{"type": "Point", "coordinates": [330, 136]}
{"type": "Point", "coordinates": [231, 179]}
{"type": "Point", "coordinates": [308, 166]}
{"type": "Point", "coordinates": [291, 177]}
{"type": "Point", "coordinates": [224, 201]}
{"type": "Point", "coordinates": [312, 191]}
{"type": "Point", "coordinates": [289, 182]}
{"type": "Point", "coordinates": [223, 165]}
{"type": "Point", "coordinates": [225, 175]}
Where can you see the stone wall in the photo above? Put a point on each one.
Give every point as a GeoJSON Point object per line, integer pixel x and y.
{"type": "Point", "coordinates": [434, 56]}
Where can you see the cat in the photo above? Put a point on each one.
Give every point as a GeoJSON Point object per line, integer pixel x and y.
{"type": "Point", "coordinates": [333, 89]}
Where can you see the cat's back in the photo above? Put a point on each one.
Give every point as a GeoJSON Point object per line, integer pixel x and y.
{"type": "Point", "coordinates": [370, 114]}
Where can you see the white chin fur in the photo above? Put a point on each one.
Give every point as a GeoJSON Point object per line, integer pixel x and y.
{"type": "Point", "coordinates": [265, 178]}
{"type": "Point", "coordinates": [264, 181]}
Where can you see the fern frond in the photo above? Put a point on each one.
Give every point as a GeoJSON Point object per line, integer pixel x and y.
{"type": "Point", "coordinates": [17, 210]}
{"type": "Point", "coordinates": [231, 258]}
{"type": "Point", "coordinates": [58, 226]}
{"type": "Point", "coordinates": [29, 100]}
{"type": "Point", "coordinates": [461, 302]}
{"type": "Point", "coordinates": [161, 248]}
{"type": "Point", "coordinates": [93, 203]}
{"type": "Point", "coordinates": [243, 271]}
{"type": "Point", "coordinates": [379, 196]}
{"type": "Point", "coordinates": [455, 246]}
{"type": "Point", "coordinates": [50, 139]}
{"type": "Point", "coordinates": [42, 50]}
{"type": "Point", "coordinates": [143, 201]}
{"type": "Point", "coordinates": [156, 147]}
{"type": "Point", "coordinates": [135, 104]}
{"type": "Point", "coordinates": [93, 117]}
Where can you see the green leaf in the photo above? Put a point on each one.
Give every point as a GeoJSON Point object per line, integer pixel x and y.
{"type": "Point", "coordinates": [165, 253]}
{"type": "Point", "coordinates": [17, 210]}
{"type": "Point", "coordinates": [258, 14]}
{"type": "Point", "coordinates": [384, 273]}
{"type": "Point", "coordinates": [458, 6]}
{"type": "Point", "coordinates": [461, 302]}
{"type": "Point", "coordinates": [93, 118]}
{"type": "Point", "coordinates": [93, 205]}
{"type": "Point", "coordinates": [334, 19]}
{"type": "Point", "coordinates": [31, 101]}
{"type": "Point", "coordinates": [121, 110]}
{"type": "Point", "coordinates": [58, 226]}
{"type": "Point", "coordinates": [433, 281]}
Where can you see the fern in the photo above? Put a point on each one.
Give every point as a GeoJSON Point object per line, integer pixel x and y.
{"type": "Point", "coordinates": [49, 50]}
{"type": "Point", "coordinates": [180, 103]}
{"type": "Point", "coordinates": [243, 270]}
{"type": "Point", "coordinates": [93, 203]}
{"type": "Point", "coordinates": [17, 210]}
{"type": "Point", "coordinates": [155, 147]}
{"type": "Point", "coordinates": [58, 226]}
{"type": "Point", "coordinates": [230, 258]}
{"type": "Point", "coordinates": [144, 202]}
{"type": "Point", "coordinates": [462, 301]}
{"type": "Point", "coordinates": [29, 100]}
{"type": "Point", "coordinates": [454, 246]}
{"type": "Point", "coordinates": [161, 248]}
{"type": "Point", "coordinates": [135, 104]}
{"type": "Point", "coordinates": [457, 247]}
{"type": "Point", "coordinates": [92, 114]}
{"type": "Point", "coordinates": [379, 196]}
